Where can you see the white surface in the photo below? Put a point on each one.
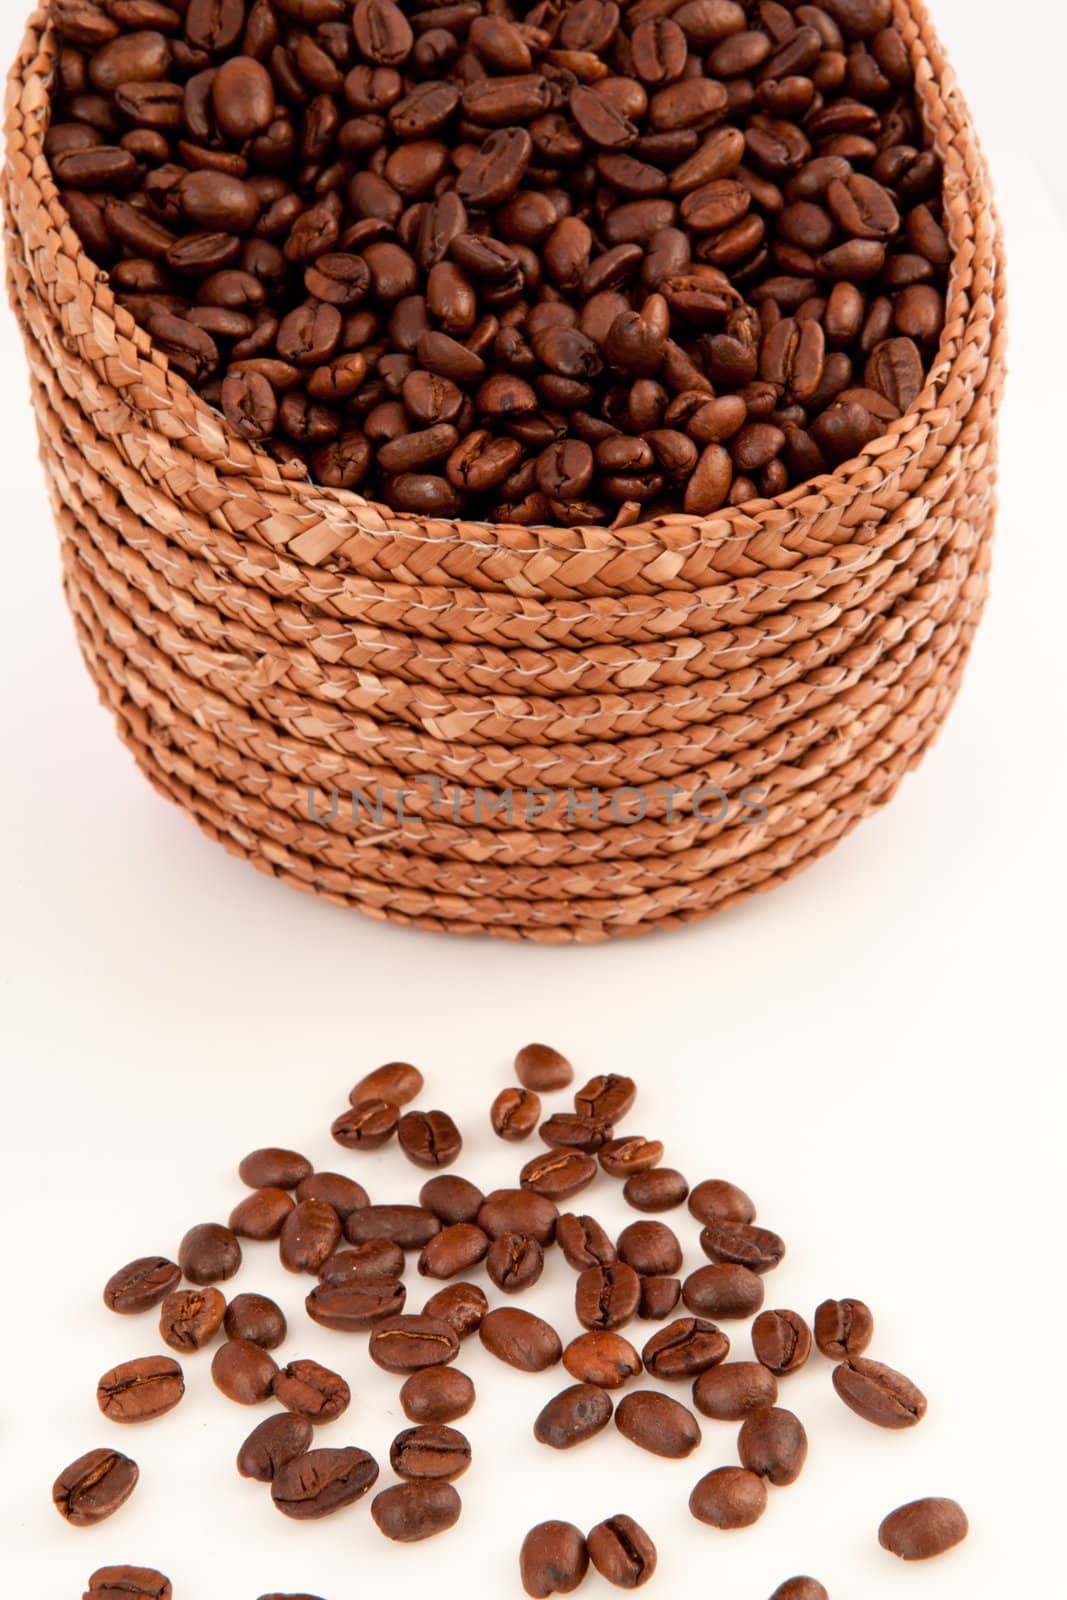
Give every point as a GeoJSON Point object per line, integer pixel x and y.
{"type": "Point", "coordinates": [876, 1051]}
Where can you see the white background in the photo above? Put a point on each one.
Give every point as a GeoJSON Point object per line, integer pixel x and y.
{"type": "Point", "coordinates": [875, 1051]}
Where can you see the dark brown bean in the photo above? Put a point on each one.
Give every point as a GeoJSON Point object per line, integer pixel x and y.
{"type": "Point", "coordinates": [514, 1262]}
{"type": "Point", "coordinates": [685, 1348]}
{"type": "Point", "coordinates": [429, 1138]}
{"type": "Point", "coordinates": [451, 1198]}
{"type": "Point", "coordinates": [430, 1451]}
{"type": "Point", "coordinates": [520, 1339]}
{"type": "Point", "coordinates": [574, 1415]}
{"type": "Point", "coordinates": [657, 1423]}
{"type": "Point", "coordinates": [620, 1158]}
{"type": "Point", "coordinates": [607, 1296]}
{"type": "Point", "coordinates": [559, 1174]}
{"type": "Point", "coordinates": [609, 1096]}
{"type": "Point", "coordinates": [309, 1236]}
{"type": "Point", "coordinates": [654, 1189]}
{"type": "Point", "coordinates": [243, 1372]}
{"type": "Point", "coordinates": [397, 1082]}
{"type": "Point", "coordinates": [353, 1306]}
{"type": "Point", "coordinates": [923, 1528]}
{"type": "Point", "coordinates": [554, 1559]}
{"type": "Point", "coordinates": [542, 1069]}
{"type": "Point", "coordinates": [94, 1486]}
{"type": "Point", "coordinates": [742, 1244]}
{"type": "Point", "coordinates": [141, 1284]}
{"type": "Point", "coordinates": [407, 1343]}
{"type": "Point", "coordinates": [728, 1498]}
{"type": "Point", "coordinates": [515, 1113]}
{"type": "Point", "coordinates": [519, 1211]}
{"type": "Point", "coordinates": [650, 1248]}
{"type": "Point", "coordinates": [256, 1318]}
{"type": "Point", "coordinates": [601, 1358]}
{"type": "Point", "coordinates": [726, 1290]}
{"type": "Point", "coordinates": [127, 1583]}
{"type": "Point", "coordinates": [773, 1443]}
{"type": "Point", "coordinates": [622, 1552]}
{"type": "Point", "coordinates": [273, 1444]}
{"type": "Point", "coordinates": [190, 1318]}
{"type": "Point", "coordinates": [322, 1481]}
{"type": "Point", "coordinates": [843, 1328]}
{"type": "Point", "coordinates": [879, 1394]}
{"type": "Point", "coordinates": [461, 1305]}
{"type": "Point", "coordinates": [312, 1391]}
{"type": "Point", "coordinates": [209, 1253]}
{"type": "Point", "coordinates": [732, 1391]}
{"type": "Point", "coordinates": [584, 1243]}
{"type": "Point", "coordinates": [437, 1394]}
{"type": "Point", "coordinates": [455, 1249]}
{"type": "Point", "coordinates": [781, 1340]}
{"type": "Point", "coordinates": [407, 1226]}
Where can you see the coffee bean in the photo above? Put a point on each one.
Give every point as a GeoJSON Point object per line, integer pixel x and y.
{"type": "Point", "coordinates": [209, 1253]}
{"type": "Point", "coordinates": [781, 1340]}
{"type": "Point", "coordinates": [190, 1318]}
{"type": "Point", "coordinates": [800, 1589]}
{"type": "Point", "coordinates": [94, 1487]}
{"type": "Point", "coordinates": [407, 1226]}
{"type": "Point", "coordinates": [601, 1358]}
{"type": "Point", "coordinates": [515, 1114]}
{"type": "Point", "coordinates": [406, 1343]}
{"type": "Point", "coordinates": [654, 1189]}
{"type": "Point", "coordinates": [622, 1158]}
{"type": "Point", "coordinates": [843, 1328]}
{"type": "Point", "coordinates": [608, 1096]}
{"type": "Point", "coordinates": [520, 1339]}
{"type": "Point", "coordinates": [243, 1372]}
{"type": "Point", "coordinates": [368, 1126]}
{"type": "Point", "coordinates": [378, 1261]}
{"type": "Point", "coordinates": [455, 1249]}
{"type": "Point", "coordinates": [429, 1138]}
{"type": "Point", "coordinates": [773, 1443]}
{"type": "Point", "coordinates": [353, 1306]}
{"type": "Point", "coordinates": [584, 1243]}
{"type": "Point", "coordinates": [128, 1583]}
{"type": "Point", "coordinates": [397, 1083]}
{"type": "Point", "coordinates": [273, 1444]}
{"type": "Point", "coordinates": [608, 1296]}
{"type": "Point", "coordinates": [309, 1236]}
{"type": "Point", "coordinates": [542, 1069]}
{"type": "Point", "coordinates": [322, 1481]}
{"type": "Point", "coordinates": [728, 1498]}
{"type": "Point", "coordinates": [514, 1262]}
{"type": "Point", "coordinates": [731, 1392]}
{"type": "Point", "coordinates": [412, 1511]}
{"type": "Point", "coordinates": [651, 1248]}
{"type": "Point", "coordinates": [657, 1423]}
{"type": "Point", "coordinates": [725, 1290]}
{"type": "Point", "coordinates": [243, 98]}
{"type": "Point", "coordinates": [685, 1348]}
{"type": "Point", "coordinates": [559, 1174]}
{"type": "Point", "coordinates": [140, 1390]}
{"type": "Point", "coordinates": [452, 1199]}
{"type": "Point", "coordinates": [574, 1415]}
{"type": "Point", "coordinates": [274, 1169]}
{"type": "Point", "coordinates": [311, 1391]}
{"type": "Point", "coordinates": [878, 1394]}
{"type": "Point", "coordinates": [262, 1215]}
{"type": "Point", "coordinates": [256, 1319]}
{"type": "Point", "coordinates": [923, 1529]}
{"type": "Point", "coordinates": [622, 1552]}
{"type": "Point", "coordinates": [741, 1244]}
{"type": "Point", "coordinates": [430, 1451]}
{"type": "Point", "coordinates": [141, 1285]}
{"type": "Point", "coordinates": [659, 1297]}
{"type": "Point", "coordinates": [715, 1200]}
{"type": "Point", "coordinates": [554, 1559]}
{"type": "Point", "coordinates": [461, 1305]}
{"type": "Point", "coordinates": [437, 1394]}
{"type": "Point", "coordinates": [569, 1131]}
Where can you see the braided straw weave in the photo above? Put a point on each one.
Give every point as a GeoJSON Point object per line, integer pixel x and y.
{"type": "Point", "coordinates": [266, 644]}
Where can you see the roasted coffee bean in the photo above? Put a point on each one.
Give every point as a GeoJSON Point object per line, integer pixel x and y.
{"type": "Point", "coordinates": [429, 1138]}
{"type": "Point", "coordinates": [407, 1343]}
{"type": "Point", "coordinates": [573, 1416]}
{"type": "Point", "coordinates": [455, 1249]}
{"type": "Point", "coordinates": [601, 1358]}
{"type": "Point", "coordinates": [715, 1200]}
{"type": "Point", "coordinates": [437, 1395]}
{"type": "Point", "coordinates": [407, 1226]}
{"type": "Point", "coordinates": [274, 1169]}
{"type": "Point", "coordinates": [542, 1069]}
{"type": "Point", "coordinates": [515, 1114]}
{"type": "Point", "coordinates": [878, 1394]}
{"type": "Point", "coordinates": [243, 1372]}
{"type": "Point", "coordinates": [409, 1512]}
{"type": "Point", "coordinates": [584, 1243]}
{"type": "Point", "coordinates": [94, 1487]}
{"type": "Point", "coordinates": [263, 1214]}
{"type": "Point", "coordinates": [514, 1262]}
{"type": "Point", "coordinates": [311, 1391]}
{"type": "Point", "coordinates": [623, 1158]}
{"type": "Point", "coordinates": [519, 1211]}
{"type": "Point", "coordinates": [257, 1319]}
{"type": "Point", "coordinates": [923, 1529]}
{"type": "Point", "coordinates": [128, 1583]}
{"type": "Point", "coordinates": [273, 1444]}
{"type": "Point", "coordinates": [520, 1339]}
{"type": "Point", "coordinates": [209, 1253]}
{"type": "Point", "coordinates": [657, 1423]}
{"type": "Point", "coordinates": [608, 1096]}
{"type": "Point", "coordinates": [140, 1390]}
{"type": "Point", "coordinates": [322, 1481]}
{"type": "Point", "coordinates": [379, 1261]}
{"type": "Point", "coordinates": [141, 1285]}
{"type": "Point", "coordinates": [461, 1306]}
{"type": "Point", "coordinates": [781, 1340]}
{"type": "Point", "coordinates": [622, 1552]}
{"type": "Point", "coordinates": [451, 1199]}
{"type": "Point", "coordinates": [353, 1306]}
{"type": "Point", "coordinates": [397, 1083]}
{"type": "Point", "coordinates": [800, 1589]}
{"type": "Point", "coordinates": [367, 1126]}
{"type": "Point", "coordinates": [309, 1236]}
{"type": "Point", "coordinates": [650, 1248]}
{"type": "Point", "coordinates": [684, 1348]}
{"type": "Point", "coordinates": [773, 1443]}
{"type": "Point", "coordinates": [741, 1244]}
{"type": "Point", "coordinates": [569, 1131]}
{"type": "Point", "coordinates": [607, 1296]}
{"type": "Point", "coordinates": [728, 1498]}
{"type": "Point", "coordinates": [843, 1328]}
{"type": "Point", "coordinates": [654, 1189]}
{"type": "Point", "coordinates": [430, 1451]}
{"type": "Point", "coordinates": [554, 1559]}
{"type": "Point", "coordinates": [659, 1297]}
{"type": "Point", "coordinates": [190, 1318]}
{"type": "Point", "coordinates": [731, 1392]}
{"type": "Point", "coordinates": [559, 1174]}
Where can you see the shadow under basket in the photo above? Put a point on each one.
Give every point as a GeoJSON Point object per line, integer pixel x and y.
{"type": "Point", "coordinates": [551, 733]}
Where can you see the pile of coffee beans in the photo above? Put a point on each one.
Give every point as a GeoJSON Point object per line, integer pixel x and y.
{"type": "Point", "coordinates": [555, 263]}
{"type": "Point", "coordinates": [327, 1228]}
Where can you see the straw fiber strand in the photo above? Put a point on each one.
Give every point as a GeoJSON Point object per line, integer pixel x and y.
{"type": "Point", "coordinates": [264, 643]}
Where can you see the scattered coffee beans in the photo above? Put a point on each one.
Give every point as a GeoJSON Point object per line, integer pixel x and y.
{"type": "Point", "coordinates": [923, 1529]}
{"type": "Point", "coordinates": [94, 1487]}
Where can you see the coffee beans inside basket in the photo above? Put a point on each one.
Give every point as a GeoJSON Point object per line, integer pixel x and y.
{"type": "Point", "coordinates": [683, 1390]}
{"type": "Point", "coordinates": [541, 263]}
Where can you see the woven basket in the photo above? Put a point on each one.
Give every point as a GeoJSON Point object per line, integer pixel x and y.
{"type": "Point", "coordinates": [269, 647]}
